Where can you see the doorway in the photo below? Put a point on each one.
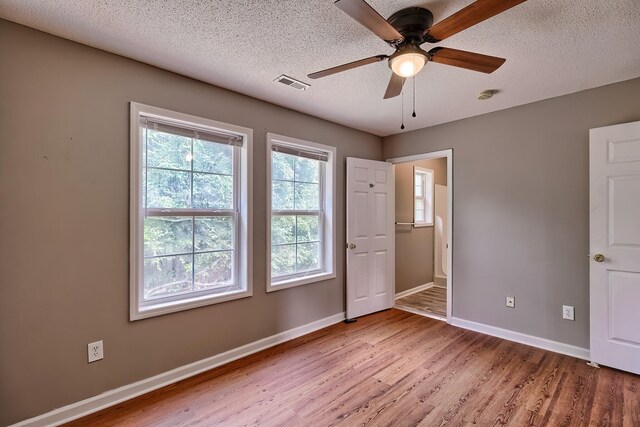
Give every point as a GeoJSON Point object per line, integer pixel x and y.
{"type": "Point", "coordinates": [423, 233]}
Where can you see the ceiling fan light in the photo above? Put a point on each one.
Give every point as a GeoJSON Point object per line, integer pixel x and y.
{"type": "Point", "coordinates": [408, 64]}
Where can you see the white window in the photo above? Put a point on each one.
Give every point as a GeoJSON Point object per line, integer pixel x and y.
{"type": "Point", "coordinates": [190, 237]}
{"type": "Point", "coordinates": [423, 197]}
{"type": "Point", "coordinates": [301, 203]}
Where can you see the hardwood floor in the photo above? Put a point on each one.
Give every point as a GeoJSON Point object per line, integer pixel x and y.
{"type": "Point", "coordinates": [391, 368]}
{"type": "Point", "coordinates": [430, 301]}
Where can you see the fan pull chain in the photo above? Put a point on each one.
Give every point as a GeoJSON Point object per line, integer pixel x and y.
{"type": "Point", "coordinates": [414, 97]}
{"type": "Point", "coordinates": [402, 99]}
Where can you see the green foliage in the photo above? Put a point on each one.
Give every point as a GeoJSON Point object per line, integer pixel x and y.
{"type": "Point", "coordinates": [283, 260]}
{"type": "Point", "coordinates": [190, 253]}
{"type": "Point", "coordinates": [167, 235]}
{"type": "Point", "coordinates": [283, 229]}
{"type": "Point", "coordinates": [282, 166]}
{"type": "Point", "coordinates": [213, 269]}
{"type": "Point", "coordinates": [212, 191]}
{"type": "Point", "coordinates": [168, 189]}
{"type": "Point", "coordinates": [167, 276]}
{"type": "Point", "coordinates": [307, 170]}
{"type": "Point", "coordinates": [307, 196]}
{"type": "Point", "coordinates": [295, 238]}
{"type": "Point", "coordinates": [185, 173]}
{"type": "Point", "coordinates": [212, 158]}
{"type": "Point", "coordinates": [165, 150]}
{"type": "Point", "coordinates": [295, 244]}
{"type": "Point", "coordinates": [296, 182]}
{"type": "Point", "coordinates": [213, 233]}
{"type": "Point", "coordinates": [171, 182]}
{"type": "Point", "coordinates": [308, 228]}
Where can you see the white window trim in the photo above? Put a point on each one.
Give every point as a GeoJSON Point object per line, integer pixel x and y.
{"type": "Point", "coordinates": [426, 171]}
{"type": "Point", "coordinates": [329, 229]}
{"type": "Point", "coordinates": [136, 238]}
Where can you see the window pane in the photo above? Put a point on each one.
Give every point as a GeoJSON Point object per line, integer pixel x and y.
{"type": "Point", "coordinates": [165, 150]}
{"type": "Point", "coordinates": [213, 270]}
{"type": "Point", "coordinates": [283, 229]}
{"type": "Point", "coordinates": [308, 257]}
{"type": "Point", "coordinates": [212, 157]}
{"type": "Point", "coordinates": [418, 186]}
{"type": "Point", "coordinates": [167, 276]}
{"type": "Point", "coordinates": [307, 196]}
{"type": "Point", "coordinates": [307, 170]}
{"type": "Point", "coordinates": [167, 235]}
{"type": "Point", "coordinates": [213, 233]}
{"type": "Point", "coordinates": [282, 195]}
{"type": "Point", "coordinates": [308, 228]}
{"type": "Point", "coordinates": [212, 191]}
{"type": "Point", "coordinates": [168, 189]}
{"type": "Point", "coordinates": [282, 166]}
{"type": "Point", "coordinates": [419, 216]}
{"type": "Point", "coordinates": [283, 260]}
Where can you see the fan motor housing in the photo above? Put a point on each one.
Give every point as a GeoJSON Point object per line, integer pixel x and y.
{"type": "Point", "coordinates": [411, 22]}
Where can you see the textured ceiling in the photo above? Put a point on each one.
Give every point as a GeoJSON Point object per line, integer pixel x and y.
{"type": "Point", "coordinates": [553, 47]}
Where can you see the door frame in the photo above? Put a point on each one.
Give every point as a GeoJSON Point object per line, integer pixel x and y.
{"type": "Point", "coordinates": [448, 154]}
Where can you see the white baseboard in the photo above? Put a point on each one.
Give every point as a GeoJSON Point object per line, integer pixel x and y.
{"type": "Point", "coordinates": [543, 343]}
{"type": "Point", "coordinates": [115, 396]}
{"type": "Point", "coordinates": [414, 290]}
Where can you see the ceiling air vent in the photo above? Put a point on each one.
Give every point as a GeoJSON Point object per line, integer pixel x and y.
{"type": "Point", "coordinates": [290, 81]}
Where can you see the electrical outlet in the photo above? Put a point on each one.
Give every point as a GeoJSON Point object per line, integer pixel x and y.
{"type": "Point", "coordinates": [95, 351]}
{"type": "Point", "coordinates": [567, 312]}
{"type": "Point", "coordinates": [511, 302]}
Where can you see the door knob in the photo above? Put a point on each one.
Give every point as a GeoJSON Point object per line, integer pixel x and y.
{"type": "Point", "coordinates": [351, 246]}
{"type": "Point", "coordinates": [598, 257]}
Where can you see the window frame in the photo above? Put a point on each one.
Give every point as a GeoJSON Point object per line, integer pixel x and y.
{"type": "Point", "coordinates": [426, 195]}
{"type": "Point", "coordinates": [327, 210]}
{"type": "Point", "coordinates": [241, 212]}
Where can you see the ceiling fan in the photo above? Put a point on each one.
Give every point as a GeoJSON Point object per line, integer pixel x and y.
{"type": "Point", "coordinates": [409, 28]}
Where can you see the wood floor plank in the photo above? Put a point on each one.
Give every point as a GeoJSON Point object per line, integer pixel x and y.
{"type": "Point", "coordinates": [430, 301]}
{"type": "Point", "coordinates": [391, 368]}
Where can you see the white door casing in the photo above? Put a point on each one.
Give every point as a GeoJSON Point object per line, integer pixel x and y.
{"type": "Point", "coordinates": [440, 231]}
{"type": "Point", "coordinates": [614, 227]}
{"type": "Point", "coordinates": [370, 236]}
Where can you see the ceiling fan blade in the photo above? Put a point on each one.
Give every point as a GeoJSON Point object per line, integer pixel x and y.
{"type": "Point", "coordinates": [345, 67]}
{"type": "Point", "coordinates": [463, 59]}
{"type": "Point", "coordinates": [367, 16]}
{"type": "Point", "coordinates": [471, 15]}
{"type": "Point", "coordinates": [395, 86]}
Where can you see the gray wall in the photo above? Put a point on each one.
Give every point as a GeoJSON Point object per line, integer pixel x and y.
{"type": "Point", "coordinates": [64, 177]}
{"type": "Point", "coordinates": [414, 246]}
{"type": "Point", "coordinates": [520, 219]}
{"type": "Point", "coordinates": [521, 212]}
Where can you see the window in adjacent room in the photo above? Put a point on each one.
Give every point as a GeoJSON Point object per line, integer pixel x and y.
{"type": "Point", "coordinates": [423, 196]}
{"type": "Point", "coordinates": [189, 212]}
{"type": "Point", "coordinates": [301, 203]}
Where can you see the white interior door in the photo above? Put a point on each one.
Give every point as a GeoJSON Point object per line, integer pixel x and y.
{"type": "Point", "coordinates": [615, 246]}
{"type": "Point", "coordinates": [370, 236]}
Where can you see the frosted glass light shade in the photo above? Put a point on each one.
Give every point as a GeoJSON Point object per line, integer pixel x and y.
{"type": "Point", "coordinates": [408, 64]}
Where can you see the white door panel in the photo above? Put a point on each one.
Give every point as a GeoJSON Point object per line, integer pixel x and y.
{"type": "Point", "coordinates": [370, 236]}
{"type": "Point", "coordinates": [615, 233]}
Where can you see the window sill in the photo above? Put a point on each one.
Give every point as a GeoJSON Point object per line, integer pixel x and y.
{"type": "Point", "coordinates": [299, 281]}
{"type": "Point", "coordinates": [161, 308]}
